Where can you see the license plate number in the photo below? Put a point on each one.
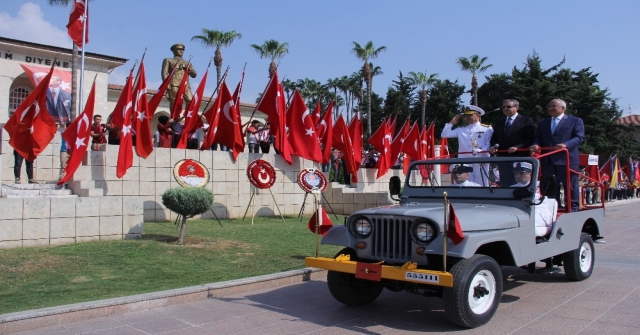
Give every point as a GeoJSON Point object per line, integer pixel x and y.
{"type": "Point", "coordinates": [422, 277]}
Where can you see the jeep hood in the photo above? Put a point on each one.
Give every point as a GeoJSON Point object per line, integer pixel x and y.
{"type": "Point", "coordinates": [472, 217]}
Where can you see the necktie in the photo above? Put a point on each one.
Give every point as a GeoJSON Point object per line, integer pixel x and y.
{"type": "Point", "coordinates": [508, 125]}
{"type": "Point", "coordinates": [53, 97]}
{"type": "Point", "coordinates": [554, 124]}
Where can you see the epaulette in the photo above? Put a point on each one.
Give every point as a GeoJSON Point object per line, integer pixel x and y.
{"type": "Point", "coordinates": [485, 125]}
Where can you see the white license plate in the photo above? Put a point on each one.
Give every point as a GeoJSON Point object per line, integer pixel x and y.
{"type": "Point", "coordinates": [422, 277]}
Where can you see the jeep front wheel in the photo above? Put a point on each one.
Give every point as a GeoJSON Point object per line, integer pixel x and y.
{"type": "Point", "coordinates": [348, 289]}
{"type": "Point", "coordinates": [578, 263]}
{"type": "Point", "coordinates": [476, 291]}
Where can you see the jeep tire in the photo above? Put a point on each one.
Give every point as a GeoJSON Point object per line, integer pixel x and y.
{"type": "Point", "coordinates": [578, 263]}
{"type": "Point", "coordinates": [348, 289]}
{"type": "Point", "coordinates": [476, 291]}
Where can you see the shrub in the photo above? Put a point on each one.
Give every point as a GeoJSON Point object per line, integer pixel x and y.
{"type": "Point", "coordinates": [188, 202]}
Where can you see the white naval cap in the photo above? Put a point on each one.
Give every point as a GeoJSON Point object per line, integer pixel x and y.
{"type": "Point", "coordinates": [460, 168]}
{"type": "Point", "coordinates": [522, 166]}
{"type": "Point", "coordinates": [473, 109]}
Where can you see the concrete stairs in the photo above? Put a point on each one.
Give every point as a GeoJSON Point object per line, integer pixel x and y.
{"type": "Point", "coordinates": [45, 190]}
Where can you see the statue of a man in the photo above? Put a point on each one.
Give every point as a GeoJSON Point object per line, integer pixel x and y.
{"type": "Point", "coordinates": [181, 66]}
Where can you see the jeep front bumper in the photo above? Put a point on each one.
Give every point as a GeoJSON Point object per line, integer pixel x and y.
{"type": "Point", "coordinates": [375, 272]}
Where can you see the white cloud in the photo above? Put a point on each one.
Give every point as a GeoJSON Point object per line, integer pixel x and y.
{"type": "Point", "coordinates": [29, 25]}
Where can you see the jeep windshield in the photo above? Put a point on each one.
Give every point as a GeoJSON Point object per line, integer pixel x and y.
{"type": "Point", "coordinates": [495, 177]}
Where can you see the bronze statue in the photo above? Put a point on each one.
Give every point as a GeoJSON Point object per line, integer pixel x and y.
{"type": "Point", "coordinates": [168, 64]}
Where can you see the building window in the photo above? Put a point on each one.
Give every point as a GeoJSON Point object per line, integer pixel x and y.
{"type": "Point", "coordinates": [16, 97]}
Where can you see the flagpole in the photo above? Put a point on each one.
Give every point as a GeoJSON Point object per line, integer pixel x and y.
{"type": "Point", "coordinates": [446, 232]}
{"type": "Point", "coordinates": [135, 82]}
{"type": "Point", "coordinates": [261, 97]}
{"type": "Point", "coordinates": [84, 39]}
{"type": "Point", "coordinates": [237, 102]}
{"type": "Point", "coordinates": [223, 78]}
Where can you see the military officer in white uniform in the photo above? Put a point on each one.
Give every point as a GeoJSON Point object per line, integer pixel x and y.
{"type": "Point", "coordinates": [473, 138]}
{"type": "Point", "coordinates": [545, 210]}
{"type": "Point", "coordinates": [460, 175]}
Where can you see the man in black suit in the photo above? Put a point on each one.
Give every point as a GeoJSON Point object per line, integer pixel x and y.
{"type": "Point", "coordinates": [557, 132]}
{"type": "Point", "coordinates": [58, 101]}
{"type": "Point", "coordinates": [514, 132]}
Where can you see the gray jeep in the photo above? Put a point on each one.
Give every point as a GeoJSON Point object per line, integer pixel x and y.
{"type": "Point", "coordinates": [405, 247]}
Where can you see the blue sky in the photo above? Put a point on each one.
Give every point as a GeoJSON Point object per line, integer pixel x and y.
{"type": "Point", "coordinates": [419, 36]}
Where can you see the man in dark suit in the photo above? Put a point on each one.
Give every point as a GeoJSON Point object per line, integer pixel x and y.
{"type": "Point", "coordinates": [514, 132]}
{"type": "Point", "coordinates": [557, 132]}
{"type": "Point", "coordinates": [58, 101]}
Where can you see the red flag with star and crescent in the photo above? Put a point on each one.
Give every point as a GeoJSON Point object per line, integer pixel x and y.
{"type": "Point", "coordinates": [125, 150]}
{"type": "Point", "coordinates": [117, 116]}
{"type": "Point", "coordinates": [229, 132]}
{"type": "Point", "coordinates": [324, 129]}
{"type": "Point", "coordinates": [273, 104]}
{"type": "Point", "coordinates": [140, 116]}
{"type": "Point", "coordinates": [192, 120]}
{"type": "Point", "coordinates": [342, 142]}
{"type": "Point", "coordinates": [398, 140]}
{"type": "Point", "coordinates": [381, 140]}
{"type": "Point", "coordinates": [355, 131]}
{"type": "Point", "coordinates": [76, 23]}
{"type": "Point", "coordinates": [454, 231]}
{"type": "Point", "coordinates": [302, 134]}
{"type": "Point", "coordinates": [78, 135]}
{"type": "Point", "coordinates": [30, 127]}
{"type": "Point", "coordinates": [212, 117]}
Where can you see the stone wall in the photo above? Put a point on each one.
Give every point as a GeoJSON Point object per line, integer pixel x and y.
{"type": "Point", "coordinates": [50, 221]}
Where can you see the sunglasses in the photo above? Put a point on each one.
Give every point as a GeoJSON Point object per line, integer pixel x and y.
{"type": "Point", "coordinates": [505, 107]}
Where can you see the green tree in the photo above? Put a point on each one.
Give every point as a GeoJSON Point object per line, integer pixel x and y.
{"type": "Point", "coordinates": [424, 82]}
{"type": "Point", "coordinates": [366, 53]}
{"type": "Point", "coordinates": [217, 39]}
{"type": "Point", "coordinates": [188, 202]}
{"type": "Point", "coordinates": [273, 50]}
{"type": "Point", "coordinates": [473, 64]}
{"type": "Point", "coordinates": [400, 97]}
{"type": "Point", "coordinates": [443, 104]}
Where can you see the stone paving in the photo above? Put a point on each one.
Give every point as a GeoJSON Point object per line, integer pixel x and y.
{"type": "Point", "coordinates": [606, 303]}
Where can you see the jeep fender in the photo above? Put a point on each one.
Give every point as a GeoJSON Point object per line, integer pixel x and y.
{"type": "Point", "coordinates": [339, 235]}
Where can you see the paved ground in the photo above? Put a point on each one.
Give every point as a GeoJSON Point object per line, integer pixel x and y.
{"type": "Point", "coordinates": [606, 303]}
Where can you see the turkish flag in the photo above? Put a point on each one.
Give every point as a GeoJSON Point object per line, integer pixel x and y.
{"type": "Point", "coordinates": [30, 127]}
{"type": "Point", "coordinates": [140, 115]}
{"type": "Point", "coordinates": [342, 142]}
{"type": "Point", "coordinates": [273, 104]}
{"type": "Point", "coordinates": [355, 131]}
{"type": "Point", "coordinates": [117, 116]}
{"type": "Point", "coordinates": [229, 127]}
{"type": "Point", "coordinates": [176, 109]}
{"type": "Point", "coordinates": [76, 23]}
{"type": "Point", "coordinates": [411, 146]}
{"type": "Point", "coordinates": [302, 134]}
{"type": "Point", "coordinates": [315, 116]}
{"type": "Point", "coordinates": [192, 120]}
{"type": "Point", "coordinates": [157, 98]}
{"type": "Point", "coordinates": [325, 133]}
{"type": "Point", "coordinates": [392, 125]}
{"type": "Point", "coordinates": [322, 221]}
{"type": "Point", "coordinates": [396, 144]}
{"type": "Point", "coordinates": [444, 153]}
{"type": "Point", "coordinates": [236, 100]}
{"type": "Point", "coordinates": [125, 150]}
{"type": "Point", "coordinates": [78, 135]}
{"type": "Point", "coordinates": [212, 117]}
{"type": "Point", "coordinates": [381, 141]}
{"type": "Point", "coordinates": [454, 231]}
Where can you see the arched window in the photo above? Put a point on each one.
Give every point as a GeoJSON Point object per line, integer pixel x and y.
{"type": "Point", "coordinates": [16, 97]}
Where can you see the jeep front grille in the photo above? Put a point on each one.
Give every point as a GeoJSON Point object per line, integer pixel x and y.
{"type": "Point", "coordinates": [391, 239]}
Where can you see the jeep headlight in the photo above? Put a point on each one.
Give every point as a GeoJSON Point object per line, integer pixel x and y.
{"type": "Point", "coordinates": [361, 227]}
{"type": "Point", "coordinates": [423, 231]}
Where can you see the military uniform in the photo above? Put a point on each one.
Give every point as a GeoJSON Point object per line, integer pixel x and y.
{"type": "Point", "coordinates": [180, 65]}
{"type": "Point", "coordinates": [472, 139]}
{"type": "Point", "coordinates": [467, 183]}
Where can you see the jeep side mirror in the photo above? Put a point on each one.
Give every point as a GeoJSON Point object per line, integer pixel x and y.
{"type": "Point", "coordinates": [520, 193]}
{"type": "Point", "coordinates": [394, 186]}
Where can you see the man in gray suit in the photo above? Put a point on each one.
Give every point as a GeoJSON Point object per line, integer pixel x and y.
{"type": "Point", "coordinates": [558, 132]}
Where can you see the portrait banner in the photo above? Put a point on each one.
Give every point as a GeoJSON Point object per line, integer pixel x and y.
{"type": "Point", "coordinates": [58, 94]}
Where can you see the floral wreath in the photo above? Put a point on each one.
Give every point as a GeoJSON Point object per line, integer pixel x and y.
{"type": "Point", "coordinates": [261, 174]}
{"type": "Point", "coordinates": [312, 179]}
{"type": "Point", "coordinates": [190, 173]}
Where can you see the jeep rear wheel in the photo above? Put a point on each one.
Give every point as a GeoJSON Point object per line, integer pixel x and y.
{"type": "Point", "coordinates": [348, 289]}
{"type": "Point", "coordinates": [578, 263]}
{"type": "Point", "coordinates": [476, 291]}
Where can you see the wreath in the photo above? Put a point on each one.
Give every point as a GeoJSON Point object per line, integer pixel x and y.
{"type": "Point", "coordinates": [190, 173]}
{"type": "Point", "coordinates": [261, 174]}
{"type": "Point", "coordinates": [310, 179]}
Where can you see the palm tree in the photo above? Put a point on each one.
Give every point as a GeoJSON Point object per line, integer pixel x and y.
{"type": "Point", "coordinates": [474, 64]}
{"type": "Point", "coordinates": [423, 81]}
{"type": "Point", "coordinates": [288, 86]}
{"type": "Point", "coordinates": [366, 53]}
{"type": "Point", "coordinates": [217, 38]}
{"type": "Point", "coordinates": [271, 49]}
{"type": "Point", "coordinates": [74, 65]}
